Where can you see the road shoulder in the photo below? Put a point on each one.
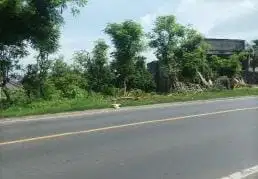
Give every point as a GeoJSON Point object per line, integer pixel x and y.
{"type": "Point", "coordinates": [110, 110]}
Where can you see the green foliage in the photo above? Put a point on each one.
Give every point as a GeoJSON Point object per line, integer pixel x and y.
{"type": "Point", "coordinates": [142, 79]}
{"type": "Point", "coordinates": [254, 62]}
{"type": "Point", "coordinates": [80, 61]}
{"type": "Point", "coordinates": [68, 81]}
{"type": "Point", "coordinates": [180, 50]}
{"type": "Point", "coordinates": [18, 96]}
{"type": "Point", "coordinates": [50, 90]}
{"type": "Point", "coordinates": [165, 37]}
{"type": "Point", "coordinates": [98, 101]}
{"type": "Point", "coordinates": [127, 39]}
{"type": "Point", "coordinates": [31, 20]}
{"type": "Point", "coordinates": [98, 70]}
{"type": "Point", "coordinates": [35, 79]}
{"type": "Point", "coordinates": [30, 81]}
{"type": "Point", "coordinates": [9, 56]}
{"type": "Point", "coordinates": [74, 91]}
{"type": "Point", "coordinates": [226, 67]}
{"type": "Point", "coordinates": [194, 62]}
{"type": "Point", "coordinates": [51, 86]}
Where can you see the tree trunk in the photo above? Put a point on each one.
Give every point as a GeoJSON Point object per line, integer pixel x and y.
{"type": "Point", "coordinates": [173, 83]}
{"type": "Point", "coordinates": [41, 90]}
{"type": "Point", "coordinates": [125, 87]}
{"type": "Point", "coordinates": [207, 84]}
{"type": "Point", "coordinates": [3, 85]}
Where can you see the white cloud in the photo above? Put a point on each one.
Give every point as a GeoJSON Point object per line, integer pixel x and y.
{"type": "Point", "coordinates": [248, 4]}
{"type": "Point", "coordinates": [148, 19]}
{"type": "Point", "coordinates": [203, 14]}
{"type": "Point", "coordinates": [213, 18]}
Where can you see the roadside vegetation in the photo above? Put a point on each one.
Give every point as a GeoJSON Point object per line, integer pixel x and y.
{"type": "Point", "coordinates": [95, 79]}
{"type": "Point", "coordinates": [99, 102]}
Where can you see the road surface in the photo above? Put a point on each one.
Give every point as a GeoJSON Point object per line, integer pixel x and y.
{"type": "Point", "coordinates": [203, 140]}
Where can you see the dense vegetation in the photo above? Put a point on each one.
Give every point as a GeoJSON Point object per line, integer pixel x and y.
{"type": "Point", "coordinates": [94, 79]}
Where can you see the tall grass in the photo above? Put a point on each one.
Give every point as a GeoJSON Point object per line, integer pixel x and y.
{"type": "Point", "coordinates": [97, 102]}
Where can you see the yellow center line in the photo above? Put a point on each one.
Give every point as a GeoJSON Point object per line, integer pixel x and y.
{"type": "Point", "coordinates": [120, 126]}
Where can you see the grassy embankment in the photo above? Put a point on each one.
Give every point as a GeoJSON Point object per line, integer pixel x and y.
{"type": "Point", "coordinates": [98, 102]}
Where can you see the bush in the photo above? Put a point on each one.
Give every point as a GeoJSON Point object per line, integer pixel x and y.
{"type": "Point", "coordinates": [50, 91]}
{"type": "Point", "coordinates": [19, 96]}
{"type": "Point", "coordinates": [109, 91]}
{"type": "Point", "coordinates": [136, 93]}
{"type": "Point", "coordinates": [73, 91]}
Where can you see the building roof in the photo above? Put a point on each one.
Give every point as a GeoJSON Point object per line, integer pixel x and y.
{"type": "Point", "coordinates": [225, 46]}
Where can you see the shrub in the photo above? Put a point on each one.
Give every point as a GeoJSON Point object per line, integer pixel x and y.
{"type": "Point", "coordinates": [136, 93]}
{"type": "Point", "coordinates": [19, 96]}
{"type": "Point", "coordinates": [73, 91]}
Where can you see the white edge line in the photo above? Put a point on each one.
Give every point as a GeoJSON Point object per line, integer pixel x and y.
{"type": "Point", "coordinates": [121, 126]}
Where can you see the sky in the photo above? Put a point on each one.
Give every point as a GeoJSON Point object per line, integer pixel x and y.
{"type": "Point", "coordinates": [235, 19]}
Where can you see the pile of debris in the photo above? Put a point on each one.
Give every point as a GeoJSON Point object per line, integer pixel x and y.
{"type": "Point", "coordinates": [224, 82]}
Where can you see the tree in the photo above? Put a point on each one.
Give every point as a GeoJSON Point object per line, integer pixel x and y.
{"type": "Point", "coordinates": [99, 74]}
{"type": "Point", "coordinates": [9, 56]}
{"type": "Point", "coordinates": [80, 61]}
{"type": "Point", "coordinates": [142, 78]}
{"type": "Point", "coordinates": [181, 50]}
{"type": "Point", "coordinates": [30, 81]}
{"type": "Point", "coordinates": [45, 47]}
{"type": "Point", "coordinates": [226, 67]}
{"type": "Point", "coordinates": [127, 39]}
{"type": "Point", "coordinates": [165, 38]}
{"type": "Point", "coordinates": [194, 63]}
{"type": "Point", "coordinates": [30, 18]}
{"type": "Point", "coordinates": [192, 56]}
{"type": "Point", "coordinates": [32, 22]}
{"type": "Point", "coordinates": [254, 62]}
{"type": "Point", "coordinates": [67, 80]}
{"type": "Point", "coordinates": [36, 75]}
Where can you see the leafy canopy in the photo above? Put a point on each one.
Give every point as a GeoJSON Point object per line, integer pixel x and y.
{"type": "Point", "coordinates": [127, 40]}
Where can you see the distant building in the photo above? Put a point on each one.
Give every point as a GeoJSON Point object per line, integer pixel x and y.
{"type": "Point", "coordinates": [225, 47]}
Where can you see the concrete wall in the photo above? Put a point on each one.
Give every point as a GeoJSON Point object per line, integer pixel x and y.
{"type": "Point", "coordinates": [250, 77]}
{"type": "Point", "coordinates": [162, 82]}
{"type": "Point", "coordinates": [225, 47]}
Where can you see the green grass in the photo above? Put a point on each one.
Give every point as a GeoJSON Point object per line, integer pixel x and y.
{"type": "Point", "coordinates": [98, 102]}
{"type": "Point", "coordinates": [155, 99]}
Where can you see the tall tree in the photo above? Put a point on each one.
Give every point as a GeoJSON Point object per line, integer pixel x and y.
{"type": "Point", "coordinates": [165, 39]}
{"type": "Point", "coordinates": [181, 51]}
{"type": "Point", "coordinates": [30, 81]}
{"type": "Point", "coordinates": [142, 78]}
{"type": "Point", "coordinates": [80, 61]}
{"type": "Point", "coordinates": [45, 47]}
{"type": "Point", "coordinates": [9, 56]}
{"type": "Point", "coordinates": [192, 56]}
{"type": "Point", "coordinates": [127, 39]}
{"type": "Point", "coordinates": [29, 22]}
{"type": "Point", "coordinates": [99, 74]}
{"type": "Point", "coordinates": [30, 18]}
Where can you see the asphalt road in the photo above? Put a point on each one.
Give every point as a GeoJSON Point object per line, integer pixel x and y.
{"type": "Point", "coordinates": [195, 141]}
